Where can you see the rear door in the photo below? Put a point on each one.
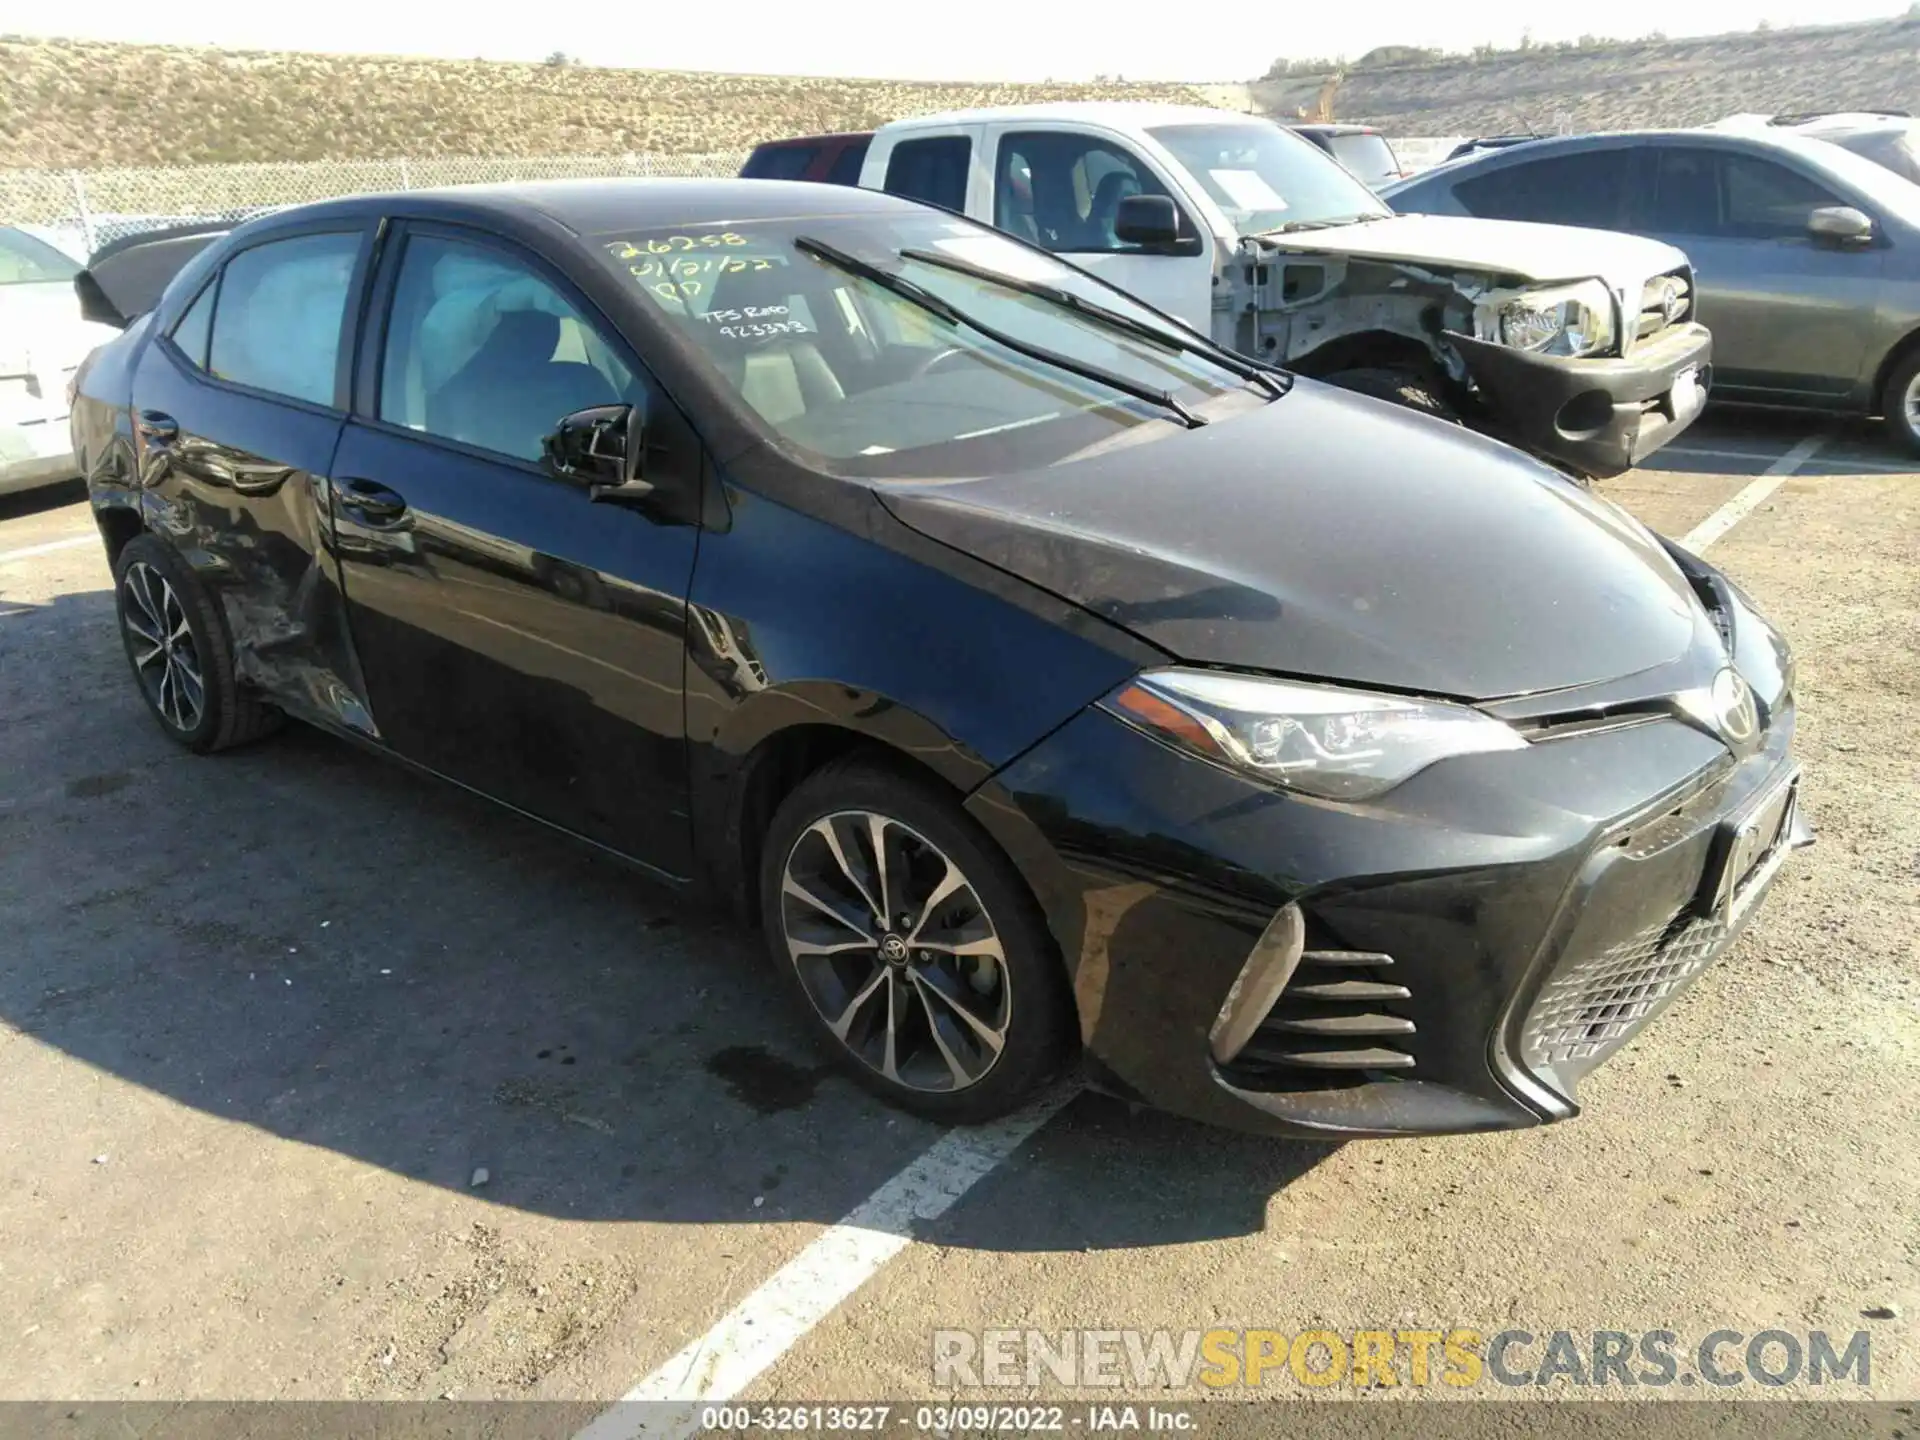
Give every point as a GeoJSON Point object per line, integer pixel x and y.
{"type": "Point", "coordinates": [237, 409]}
{"type": "Point", "coordinates": [516, 637]}
{"type": "Point", "coordinates": [1791, 316]}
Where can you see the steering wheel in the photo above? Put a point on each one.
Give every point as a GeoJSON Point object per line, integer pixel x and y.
{"type": "Point", "coordinates": [934, 361]}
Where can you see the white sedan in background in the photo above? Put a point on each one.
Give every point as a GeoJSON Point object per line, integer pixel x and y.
{"type": "Point", "coordinates": [43, 339]}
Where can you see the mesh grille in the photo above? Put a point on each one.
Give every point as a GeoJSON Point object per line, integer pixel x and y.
{"type": "Point", "coordinates": [1590, 1008]}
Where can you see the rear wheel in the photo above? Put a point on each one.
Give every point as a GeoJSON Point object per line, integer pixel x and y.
{"type": "Point", "coordinates": [177, 645]}
{"type": "Point", "coordinates": [914, 945]}
{"type": "Point", "coordinates": [1403, 387]}
{"type": "Point", "coordinates": [1900, 404]}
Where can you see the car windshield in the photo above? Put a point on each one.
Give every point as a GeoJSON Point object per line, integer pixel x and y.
{"type": "Point", "coordinates": [866, 381]}
{"type": "Point", "coordinates": [25, 260]}
{"type": "Point", "coordinates": [1367, 155]}
{"type": "Point", "coordinates": [1265, 179]}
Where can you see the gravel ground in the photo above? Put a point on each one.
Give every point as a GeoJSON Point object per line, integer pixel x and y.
{"type": "Point", "coordinates": [263, 1018]}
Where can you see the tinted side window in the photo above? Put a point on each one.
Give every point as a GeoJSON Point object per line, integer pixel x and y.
{"type": "Point", "coordinates": [782, 162]}
{"type": "Point", "coordinates": [190, 334]}
{"type": "Point", "coordinates": [1063, 191]}
{"type": "Point", "coordinates": [277, 325]}
{"type": "Point", "coordinates": [1767, 201]}
{"type": "Point", "coordinates": [1589, 188]}
{"type": "Point", "coordinates": [933, 170]}
{"type": "Point", "coordinates": [846, 165]}
{"type": "Point", "coordinates": [482, 350]}
{"type": "Point", "coordinates": [1686, 192]}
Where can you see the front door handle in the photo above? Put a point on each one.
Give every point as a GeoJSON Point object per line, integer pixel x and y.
{"type": "Point", "coordinates": [372, 502]}
{"type": "Point", "coordinates": [159, 427]}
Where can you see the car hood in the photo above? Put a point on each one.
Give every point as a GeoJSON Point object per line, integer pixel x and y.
{"type": "Point", "coordinates": [1507, 247]}
{"type": "Point", "coordinates": [1335, 536]}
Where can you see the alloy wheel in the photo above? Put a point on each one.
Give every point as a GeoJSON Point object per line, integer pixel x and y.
{"type": "Point", "coordinates": [896, 951]}
{"type": "Point", "coordinates": [1910, 402]}
{"type": "Point", "coordinates": [164, 655]}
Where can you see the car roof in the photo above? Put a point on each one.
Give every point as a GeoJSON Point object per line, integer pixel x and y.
{"type": "Point", "coordinates": [793, 140]}
{"type": "Point", "coordinates": [589, 207]}
{"type": "Point", "coordinates": [1789, 141]}
{"type": "Point", "coordinates": [1319, 127]}
{"type": "Point", "coordinates": [1119, 114]}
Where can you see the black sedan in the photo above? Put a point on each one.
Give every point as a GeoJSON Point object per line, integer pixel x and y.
{"type": "Point", "coordinates": [1036, 675]}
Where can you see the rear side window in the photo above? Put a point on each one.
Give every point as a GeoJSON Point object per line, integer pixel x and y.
{"type": "Point", "coordinates": [1589, 188]}
{"type": "Point", "coordinates": [190, 335]}
{"type": "Point", "coordinates": [277, 324]}
{"type": "Point", "coordinates": [779, 162]}
{"type": "Point", "coordinates": [933, 170]}
{"type": "Point", "coordinates": [847, 165]}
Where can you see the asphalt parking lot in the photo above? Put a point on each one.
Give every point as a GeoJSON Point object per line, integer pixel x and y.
{"type": "Point", "coordinates": [263, 1018]}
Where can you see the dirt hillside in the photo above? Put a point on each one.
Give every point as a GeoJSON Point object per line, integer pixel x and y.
{"type": "Point", "coordinates": [1597, 85]}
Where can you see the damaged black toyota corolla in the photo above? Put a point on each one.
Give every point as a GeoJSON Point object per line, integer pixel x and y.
{"type": "Point", "coordinates": [1038, 676]}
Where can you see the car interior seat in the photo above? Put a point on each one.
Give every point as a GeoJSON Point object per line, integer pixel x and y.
{"type": "Point", "coordinates": [779, 376]}
{"type": "Point", "coordinates": [511, 392]}
{"type": "Point", "coordinates": [1104, 213]}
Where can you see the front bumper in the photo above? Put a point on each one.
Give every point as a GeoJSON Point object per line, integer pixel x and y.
{"type": "Point", "coordinates": [1510, 919]}
{"type": "Point", "coordinates": [1597, 416]}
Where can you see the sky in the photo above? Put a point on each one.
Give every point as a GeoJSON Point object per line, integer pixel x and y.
{"type": "Point", "coordinates": [979, 40]}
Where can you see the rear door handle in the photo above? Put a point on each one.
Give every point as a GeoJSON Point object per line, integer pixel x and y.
{"type": "Point", "coordinates": [372, 502]}
{"type": "Point", "coordinates": [159, 427]}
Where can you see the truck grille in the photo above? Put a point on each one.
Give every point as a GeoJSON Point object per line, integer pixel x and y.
{"type": "Point", "coordinates": [1665, 301]}
{"type": "Point", "coordinates": [1589, 1009]}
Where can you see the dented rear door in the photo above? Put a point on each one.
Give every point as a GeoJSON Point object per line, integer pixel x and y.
{"type": "Point", "coordinates": [236, 414]}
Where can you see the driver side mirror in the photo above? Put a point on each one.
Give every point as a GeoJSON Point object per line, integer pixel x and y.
{"type": "Point", "coordinates": [1841, 224]}
{"type": "Point", "coordinates": [600, 448]}
{"type": "Point", "coordinates": [1147, 220]}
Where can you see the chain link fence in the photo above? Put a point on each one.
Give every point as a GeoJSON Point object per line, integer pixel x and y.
{"type": "Point", "coordinates": [81, 210]}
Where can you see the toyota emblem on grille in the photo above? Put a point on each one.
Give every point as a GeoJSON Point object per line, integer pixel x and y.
{"type": "Point", "coordinates": [1733, 708]}
{"type": "Point", "coordinates": [1673, 303]}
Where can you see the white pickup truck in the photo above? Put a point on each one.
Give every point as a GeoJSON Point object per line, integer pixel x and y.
{"type": "Point", "coordinates": [1577, 345]}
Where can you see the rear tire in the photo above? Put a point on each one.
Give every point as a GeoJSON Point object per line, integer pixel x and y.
{"type": "Point", "coordinates": [953, 1005]}
{"type": "Point", "coordinates": [1900, 404]}
{"type": "Point", "coordinates": [176, 642]}
{"type": "Point", "coordinates": [1403, 387]}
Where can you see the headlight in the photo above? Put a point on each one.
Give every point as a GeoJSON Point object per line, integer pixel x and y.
{"type": "Point", "coordinates": [1564, 320]}
{"type": "Point", "coordinates": [1337, 744]}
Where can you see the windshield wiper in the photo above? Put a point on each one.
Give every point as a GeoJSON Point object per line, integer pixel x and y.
{"type": "Point", "coordinates": [1294, 226]}
{"type": "Point", "coordinates": [1218, 355]}
{"type": "Point", "coordinates": [952, 314]}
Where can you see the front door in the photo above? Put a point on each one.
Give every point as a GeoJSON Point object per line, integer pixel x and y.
{"type": "Point", "coordinates": [1062, 189]}
{"type": "Point", "coordinates": [1791, 315]}
{"type": "Point", "coordinates": [516, 636]}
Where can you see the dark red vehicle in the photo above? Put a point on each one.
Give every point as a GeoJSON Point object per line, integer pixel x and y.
{"type": "Point", "coordinates": [829, 159]}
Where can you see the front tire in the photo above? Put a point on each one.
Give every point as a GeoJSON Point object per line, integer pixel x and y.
{"type": "Point", "coordinates": [177, 644]}
{"type": "Point", "coordinates": [1900, 404]}
{"type": "Point", "coordinates": [917, 952]}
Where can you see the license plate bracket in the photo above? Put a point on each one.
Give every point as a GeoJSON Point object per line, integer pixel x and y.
{"type": "Point", "coordinates": [1747, 848]}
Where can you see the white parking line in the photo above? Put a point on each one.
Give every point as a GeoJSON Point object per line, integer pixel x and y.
{"type": "Point", "coordinates": [47, 549]}
{"type": "Point", "coordinates": [803, 1292]}
{"type": "Point", "coordinates": [1742, 505]}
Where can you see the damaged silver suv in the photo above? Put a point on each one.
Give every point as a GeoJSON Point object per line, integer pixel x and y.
{"type": "Point", "coordinates": [1577, 345]}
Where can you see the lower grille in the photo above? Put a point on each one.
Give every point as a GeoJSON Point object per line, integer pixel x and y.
{"type": "Point", "coordinates": [1590, 1008]}
{"type": "Point", "coordinates": [1334, 1019]}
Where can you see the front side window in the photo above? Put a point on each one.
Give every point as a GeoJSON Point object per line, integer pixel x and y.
{"type": "Point", "coordinates": [1264, 178]}
{"type": "Point", "coordinates": [277, 323]}
{"type": "Point", "coordinates": [482, 350]}
{"type": "Point", "coordinates": [1766, 201]}
{"type": "Point", "coordinates": [1063, 191]}
{"type": "Point", "coordinates": [1587, 189]}
{"type": "Point", "coordinates": [868, 382]}
{"type": "Point", "coordinates": [932, 170]}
